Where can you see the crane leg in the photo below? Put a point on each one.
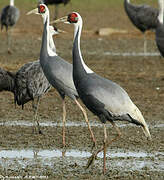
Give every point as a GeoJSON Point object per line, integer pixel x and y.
{"type": "Point", "coordinates": [9, 40]}
{"type": "Point", "coordinates": [64, 121]}
{"type": "Point", "coordinates": [104, 160]}
{"type": "Point", "coordinates": [105, 145]}
{"type": "Point", "coordinates": [86, 119]}
{"type": "Point", "coordinates": [35, 107]}
{"type": "Point", "coordinates": [145, 44]}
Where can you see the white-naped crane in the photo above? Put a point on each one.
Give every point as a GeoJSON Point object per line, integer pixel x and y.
{"type": "Point", "coordinates": [143, 17]}
{"type": "Point", "coordinates": [54, 2]}
{"type": "Point", "coordinates": [159, 32]}
{"type": "Point", "coordinates": [57, 70]}
{"type": "Point", "coordinates": [29, 82]}
{"type": "Point", "coordinates": [9, 17]}
{"type": "Point", "coordinates": [104, 98]}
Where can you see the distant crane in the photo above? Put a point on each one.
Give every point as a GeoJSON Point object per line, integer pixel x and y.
{"type": "Point", "coordinates": [57, 70]}
{"type": "Point", "coordinates": [9, 17]}
{"type": "Point", "coordinates": [159, 31]}
{"type": "Point", "coordinates": [56, 3]}
{"type": "Point", "coordinates": [101, 96]}
{"type": "Point", "coordinates": [143, 17]}
{"type": "Point", "coordinates": [29, 82]}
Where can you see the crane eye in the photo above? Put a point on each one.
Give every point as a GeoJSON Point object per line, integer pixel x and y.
{"type": "Point", "coordinates": [41, 9]}
{"type": "Point", "coordinates": [73, 18]}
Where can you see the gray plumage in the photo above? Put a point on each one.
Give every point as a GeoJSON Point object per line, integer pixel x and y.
{"type": "Point", "coordinates": [9, 16]}
{"type": "Point", "coordinates": [159, 31]}
{"type": "Point", "coordinates": [104, 98]}
{"type": "Point", "coordinates": [30, 83]}
{"type": "Point", "coordinates": [7, 80]}
{"type": "Point", "coordinates": [144, 17]}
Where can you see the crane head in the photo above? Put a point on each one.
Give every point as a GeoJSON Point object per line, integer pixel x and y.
{"type": "Point", "coordinates": [70, 18]}
{"type": "Point", "coordinates": [40, 10]}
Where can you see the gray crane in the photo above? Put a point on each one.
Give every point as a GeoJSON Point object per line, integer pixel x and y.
{"type": "Point", "coordinates": [57, 70]}
{"type": "Point", "coordinates": [54, 2]}
{"type": "Point", "coordinates": [29, 82]}
{"type": "Point", "coordinates": [104, 98]}
{"type": "Point", "coordinates": [9, 17]}
{"type": "Point", "coordinates": [159, 32]}
{"type": "Point", "coordinates": [144, 17]}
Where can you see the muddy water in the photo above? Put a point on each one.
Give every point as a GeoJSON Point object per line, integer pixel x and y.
{"type": "Point", "coordinates": [45, 163]}
{"type": "Point", "coordinates": [119, 159]}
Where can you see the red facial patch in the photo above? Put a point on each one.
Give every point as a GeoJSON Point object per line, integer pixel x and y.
{"type": "Point", "coordinates": [73, 18]}
{"type": "Point", "coordinates": [42, 9]}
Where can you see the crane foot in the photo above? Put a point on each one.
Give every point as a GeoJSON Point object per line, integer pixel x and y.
{"type": "Point", "coordinates": [9, 51]}
{"type": "Point", "coordinates": [91, 160]}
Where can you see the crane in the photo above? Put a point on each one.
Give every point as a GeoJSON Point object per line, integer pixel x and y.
{"type": "Point", "coordinates": [57, 70]}
{"type": "Point", "coordinates": [56, 3]}
{"type": "Point", "coordinates": [104, 98]}
{"type": "Point", "coordinates": [29, 82]}
{"type": "Point", "coordinates": [9, 17]}
{"type": "Point", "coordinates": [144, 17]}
{"type": "Point", "coordinates": [159, 32]}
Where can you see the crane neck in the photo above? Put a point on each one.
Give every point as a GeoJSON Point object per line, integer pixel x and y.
{"type": "Point", "coordinates": [11, 2]}
{"type": "Point", "coordinates": [47, 40]}
{"type": "Point", "coordinates": [76, 46]}
{"type": "Point", "coordinates": [161, 10]}
{"type": "Point", "coordinates": [51, 43]}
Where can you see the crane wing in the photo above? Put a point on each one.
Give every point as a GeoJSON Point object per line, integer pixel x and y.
{"type": "Point", "coordinates": [113, 96]}
{"type": "Point", "coordinates": [61, 71]}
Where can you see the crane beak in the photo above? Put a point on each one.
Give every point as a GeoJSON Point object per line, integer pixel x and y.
{"type": "Point", "coordinates": [34, 11]}
{"type": "Point", "coordinates": [63, 19]}
{"type": "Point", "coordinates": [61, 31]}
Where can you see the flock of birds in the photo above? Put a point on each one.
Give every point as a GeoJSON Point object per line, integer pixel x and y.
{"type": "Point", "coordinates": [104, 98]}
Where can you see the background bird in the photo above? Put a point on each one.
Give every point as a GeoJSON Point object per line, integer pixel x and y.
{"type": "Point", "coordinates": [101, 96]}
{"type": "Point", "coordinates": [57, 70]}
{"type": "Point", "coordinates": [9, 17]}
{"type": "Point", "coordinates": [56, 3]}
{"type": "Point", "coordinates": [144, 17]}
{"type": "Point", "coordinates": [159, 31]}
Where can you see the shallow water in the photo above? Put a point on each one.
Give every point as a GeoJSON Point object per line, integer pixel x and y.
{"type": "Point", "coordinates": [29, 153]}
{"type": "Point", "coordinates": [68, 124]}
{"type": "Point", "coordinates": [118, 159]}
